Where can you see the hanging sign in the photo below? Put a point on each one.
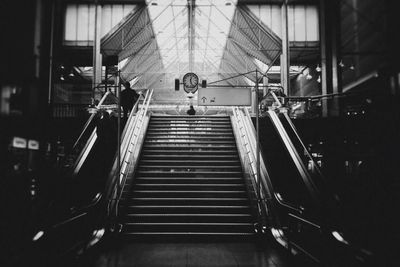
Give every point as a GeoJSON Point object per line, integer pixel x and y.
{"type": "Point", "coordinates": [224, 96]}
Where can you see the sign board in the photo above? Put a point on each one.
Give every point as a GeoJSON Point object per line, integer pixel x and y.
{"type": "Point", "coordinates": [33, 145]}
{"type": "Point", "coordinates": [19, 142]}
{"type": "Point", "coordinates": [224, 96]}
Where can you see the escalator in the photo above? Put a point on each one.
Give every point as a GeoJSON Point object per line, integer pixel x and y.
{"type": "Point", "coordinates": [77, 217]}
{"type": "Point", "coordinates": [303, 213]}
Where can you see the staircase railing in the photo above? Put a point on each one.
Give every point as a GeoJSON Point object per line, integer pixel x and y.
{"type": "Point", "coordinates": [260, 182]}
{"type": "Point", "coordinates": [130, 148]}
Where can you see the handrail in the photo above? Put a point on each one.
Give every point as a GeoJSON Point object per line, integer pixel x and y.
{"type": "Point", "coordinates": [295, 156]}
{"type": "Point", "coordinates": [90, 120]}
{"type": "Point", "coordinates": [293, 128]}
{"type": "Point", "coordinates": [128, 146]}
{"type": "Point", "coordinates": [247, 136]}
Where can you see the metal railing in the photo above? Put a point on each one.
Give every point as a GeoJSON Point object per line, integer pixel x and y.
{"type": "Point", "coordinates": [260, 180]}
{"type": "Point", "coordinates": [129, 145]}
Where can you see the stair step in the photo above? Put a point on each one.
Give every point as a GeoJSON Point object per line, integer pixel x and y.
{"type": "Point", "coordinates": [168, 201]}
{"type": "Point", "coordinates": [188, 137]}
{"type": "Point", "coordinates": [190, 125]}
{"type": "Point", "coordinates": [193, 162]}
{"type": "Point", "coordinates": [187, 142]}
{"type": "Point", "coordinates": [189, 174]}
{"type": "Point", "coordinates": [200, 187]}
{"type": "Point", "coordinates": [180, 151]}
{"type": "Point", "coordinates": [188, 236]}
{"type": "Point", "coordinates": [146, 156]}
{"type": "Point", "coordinates": [191, 218]}
{"type": "Point", "coordinates": [188, 168]}
{"type": "Point", "coordinates": [191, 117]}
{"type": "Point", "coordinates": [177, 194]}
{"type": "Point", "coordinates": [189, 122]}
{"type": "Point", "coordinates": [207, 146]}
{"type": "Point", "coordinates": [189, 130]}
{"type": "Point", "coordinates": [189, 227]}
{"type": "Point", "coordinates": [189, 209]}
{"type": "Point", "coordinates": [191, 134]}
{"type": "Point", "coordinates": [189, 180]}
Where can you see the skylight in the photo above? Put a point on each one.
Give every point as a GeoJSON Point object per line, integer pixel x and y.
{"type": "Point", "coordinates": [195, 44]}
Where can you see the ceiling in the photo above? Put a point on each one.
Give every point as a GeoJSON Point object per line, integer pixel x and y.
{"type": "Point", "coordinates": [162, 40]}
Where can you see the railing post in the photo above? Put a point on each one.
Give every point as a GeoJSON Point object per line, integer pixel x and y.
{"type": "Point", "coordinates": [119, 131]}
{"type": "Point", "coordinates": [258, 141]}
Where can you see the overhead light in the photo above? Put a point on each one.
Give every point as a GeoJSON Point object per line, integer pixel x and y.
{"type": "Point", "coordinates": [228, 3]}
{"type": "Point", "coordinates": [341, 64]}
{"type": "Point", "coordinates": [38, 236]}
{"type": "Point", "coordinates": [352, 67]}
{"type": "Point", "coordinates": [62, 78]}
{"type": "Point", "coordinates": [318, 68]}
{"type": "Point", "coordinates": [154, 4]}
{"type": "Point", "coordinates": [71, 74]}
{"type": "Point", "coordinates": [319, 79]}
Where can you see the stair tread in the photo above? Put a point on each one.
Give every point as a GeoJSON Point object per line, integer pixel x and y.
{"type": "Point", "coordinates": [189, 191]}
{"type": "Point", "coordinates": [193, 161]}
{"type": "Point", "coordinates": [189, 233]}
{"type": "Point", "coordinates": [188, 206]}
{"type": "Point", "coordinates": [183, 172]}
{"type": "Point", "coordinates": [169, 185]}
{"type": "Point", "coordinates": [188, 198]}
{"type": "Point", "coordinates": [188, 223]}
{"type": "Point", "coordinates": [186, 214]}
{"type": "Point", "coordinates": [191, 166]}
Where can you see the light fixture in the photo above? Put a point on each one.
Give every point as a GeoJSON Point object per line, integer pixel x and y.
{"type": "Point", "coordinates": [341, 64]}
{"type": "Point", "coordinates": [62, 78]}
{"type": "Point", "coordinates": [308, 77]}
{"type": "Point", "coordinates": [38, 236]}
{"type": "Point", "coordinates": [154, 4]}
{"type": "Point", "coordinates": [318, 68]}
{"type": "Point", "coordinates": [352, 67]}
{"type": "Point", "coordinates": [71, 74]}
{"type": "Point", "coordinates": [319, 79]}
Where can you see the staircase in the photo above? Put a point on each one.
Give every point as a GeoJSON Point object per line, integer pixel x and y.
{"type": "Point", "coordinates": [189, 181]}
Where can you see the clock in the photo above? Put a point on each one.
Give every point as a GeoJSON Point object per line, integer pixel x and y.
{"type": "Point", "coordinates": [190, 82]}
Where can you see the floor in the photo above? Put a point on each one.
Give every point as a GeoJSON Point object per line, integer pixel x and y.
{"type": "Point", "coordinates": [189, 254]}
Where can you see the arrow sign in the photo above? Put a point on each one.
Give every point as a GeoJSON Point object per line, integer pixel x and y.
{"type": "Point", "coordinates": [224, 96]}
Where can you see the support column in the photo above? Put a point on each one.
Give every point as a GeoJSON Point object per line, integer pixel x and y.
{"type": "Point", "coordinates": [254, 103]}
{"type": "Point", "coordinates": [97, 58]}
{"type": "Point", "coordinates": [323, 49]}
{"type": "Point", "coordinates": [285, 57]}
{"type": "Point", "coordinates": [335, 41]}
{"type": "Point", "coordinates": [329, 40]}
{"type": "Point", "coordinates": [265, 84]}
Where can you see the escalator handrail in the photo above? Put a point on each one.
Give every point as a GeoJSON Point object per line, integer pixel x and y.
{"type": "Point", "coordinates": [90, 120]}
{"type": "Point", "coordinates": [79, 212]}
{"type": "Point", "coordinates": [293, 128]}
{"type": "Point", "coordinates": [266, 181]}
{"type": "Point", "coordinates": [305, 175]}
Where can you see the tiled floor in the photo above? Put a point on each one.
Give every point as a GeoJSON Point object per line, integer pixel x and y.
{"type": "Point", "coordinates": [149, 254]}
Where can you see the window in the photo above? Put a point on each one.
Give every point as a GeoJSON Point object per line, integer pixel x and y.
{"type": "Point", "coordinates": [80, 19]}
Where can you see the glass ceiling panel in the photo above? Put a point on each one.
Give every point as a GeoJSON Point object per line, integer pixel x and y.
{"type": "Point", "coordinates": [210, 27]}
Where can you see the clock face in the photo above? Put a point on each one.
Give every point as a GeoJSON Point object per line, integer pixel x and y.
{"type": "Point", "coordinates": [190, 80]}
